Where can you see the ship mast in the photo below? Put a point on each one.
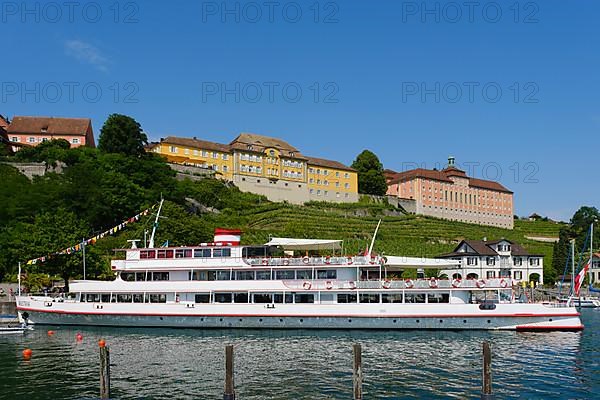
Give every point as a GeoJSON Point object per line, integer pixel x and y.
{"type": "Point", "coordinates": [151, 245]}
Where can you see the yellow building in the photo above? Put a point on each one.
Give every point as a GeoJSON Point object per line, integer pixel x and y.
{"type": "Point", "coordinates": [267, 166]}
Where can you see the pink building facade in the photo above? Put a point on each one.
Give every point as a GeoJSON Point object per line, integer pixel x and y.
{"type": "Point", "coordinates": [451, 194]}
{"type": "Point", "coordinates": [32, 131]}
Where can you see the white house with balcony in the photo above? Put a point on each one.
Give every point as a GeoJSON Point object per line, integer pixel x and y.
{"type": "Point", "coordinates": [483, 259]}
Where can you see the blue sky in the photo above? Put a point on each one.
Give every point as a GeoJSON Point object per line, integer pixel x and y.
{"type": "Point", "coordinates": [509, 88]}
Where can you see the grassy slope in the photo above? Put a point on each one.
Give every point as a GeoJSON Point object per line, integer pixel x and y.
{"type": "Point", "coordinates": [399, 235]}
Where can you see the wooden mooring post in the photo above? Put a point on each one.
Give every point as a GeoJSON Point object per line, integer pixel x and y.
{"type": "Point", "coordinates": [104, 373]}
{"type": "Point", "coordinates": [229, 393]}
{"type": "Point", "coordinates": [357, 373]}
{"type": "Point", "coordinates": [486, 385]}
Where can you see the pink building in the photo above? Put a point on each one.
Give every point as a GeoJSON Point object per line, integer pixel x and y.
{"type": "Point", "coordinates": [35, 130]}
{"type": "Point", "coordinates": [451, 194]}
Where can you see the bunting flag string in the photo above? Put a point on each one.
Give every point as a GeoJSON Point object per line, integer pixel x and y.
{"type": "Point", "coordinates": [91, 241]}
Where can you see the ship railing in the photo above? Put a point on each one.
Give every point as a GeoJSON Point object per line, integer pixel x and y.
{"type": "Point", "coordinates": [308, 261]}
{"type": "Point", "coordinates": [325, 284]}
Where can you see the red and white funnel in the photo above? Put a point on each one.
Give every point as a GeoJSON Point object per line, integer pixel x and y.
{"type": "Point", "coordinates": [232, 236]}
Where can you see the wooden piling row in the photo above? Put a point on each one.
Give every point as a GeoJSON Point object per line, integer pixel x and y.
{"type": "Point", "coordinates": [357, 373]}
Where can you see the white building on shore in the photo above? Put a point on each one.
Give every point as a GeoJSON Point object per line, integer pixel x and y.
{"type": "Point", "coordinates": [483, 259]}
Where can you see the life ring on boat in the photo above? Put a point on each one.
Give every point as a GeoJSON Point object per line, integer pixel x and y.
{"type": "Point", "coordinates": [456, 282]}
{"type": "Point", "coordinates": [383, 260]}
{"type": "Point", "coordinates": [409, 284]}
{"type": "Point", "coordinates": [480, 283]}
{"type": "Point", "coordinates": [286, 261]}
{"type": "Point", "coordinates": [327, 260]}
{"type": "Point", "coordinates": [306, 285]}
{"type": "Point", "coordinates": [328, 285]}
{"type": "Point", "coordinates": [433, 283]}
{"type": "Point", "coordinates": [349, 260]}
{"type": "Point", "coordinates": [265, 261]}
{"type": "Point", "coordinates": [503, 283]}
{"type": "Point", "coordinates": [305, 259]}
{"type": "Point", "coordinates": [352, 285]}
{"type": "Point", "coordinates": [386, 284]}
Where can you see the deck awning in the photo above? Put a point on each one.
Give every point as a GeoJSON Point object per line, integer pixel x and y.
{"type": "Point", "coordinates": [305, 244]}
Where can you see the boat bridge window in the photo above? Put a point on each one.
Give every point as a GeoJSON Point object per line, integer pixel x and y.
{"type": "Point", "coordinates": [202, 298]}
{"type": "Point", "coordinates": [255, 252]}
{"type": "Point", "coordinates": [286, 274]}
{"type": "Point", "coordinates": [225, 252]}
{"type": "Point", "coordinates": [183, 253]}
{"type": "Point", "coordinates": [164, 254]}
{"type": "Point", "coordinates": [304, 274]}
{"type": "Point", "coordinates": [240, 297]}
{"type": "Point", "coordinates": [346, 298]}
{"type": "Point", "coordinates": [391, 298]}
{"type": "Point", "coordinates": [124, 298]}
{"type": "Point", "coordinates": [261, 298]}
{"type": "Point", "coordinates": [304, 298]}
{"type": "Point", "coordinates": [199, 253]}
{"type": "Point", "coordinates": [438, 298]}
{"type": "Point", "coordinates": [156, 298]}
{"type": "Point", "coordinates": [414, 298]}
{"type": "Point", "coordinates": [244, 275]}
{"type": "Point", "coordinates": [223, 297]}
{"type": "Point", "coordinates": [160, 276]}
{"type": "Point", "coordinates": [327, 274]}
{"type": "Point", "coordinates": [147, 254]}
{"type": "Point", "coordinates": [369, 297]}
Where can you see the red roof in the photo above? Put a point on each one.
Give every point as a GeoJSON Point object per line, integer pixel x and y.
{"type": "Point", "coordinates": [50, 126]}
{"type": "Point", "coordinates": [444, 176]}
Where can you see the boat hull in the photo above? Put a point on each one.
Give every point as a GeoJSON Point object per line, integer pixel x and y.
{"type": "Point", "coordinates": [533, 317]}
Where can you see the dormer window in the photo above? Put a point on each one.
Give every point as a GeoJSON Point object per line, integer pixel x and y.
{"type": "Point", "coordinates": [249, 147]}
{"type": "Point", "coordinates": [45, 129]}
{"type": "Point", "coordinates": [292, 154]}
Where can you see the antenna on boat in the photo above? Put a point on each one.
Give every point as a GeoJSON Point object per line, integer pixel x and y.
{"type": "Point", "coordinates": [373, 240]}
{"type": "Point", "coordinates": [151, 245]}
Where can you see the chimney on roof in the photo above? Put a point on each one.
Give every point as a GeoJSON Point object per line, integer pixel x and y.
{"type": "Point", "coordinates": [451, 161]}
{"type": "Point", "coordinates": [195, 138]}
{"type": "Point", "coordinates": [162, 139]}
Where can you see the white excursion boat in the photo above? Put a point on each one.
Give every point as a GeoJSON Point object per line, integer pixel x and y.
{"type": "Point", "coordinates": [286, 283]}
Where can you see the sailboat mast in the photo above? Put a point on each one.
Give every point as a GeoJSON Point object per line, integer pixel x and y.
{"type": "Point", "coordinates": [590, 273]}
{"type": "Point", "coordinates": [151, 245]}
{"type": "Point", "coordinates": [572, 267]}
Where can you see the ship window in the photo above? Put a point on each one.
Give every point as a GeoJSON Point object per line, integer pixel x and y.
{"type": "Point", "coordinates": [222, 252]}
{"type": "Point", "coordinates": [284, 274]}
{"type": "Point", "coordinates": [160, 276]}
{"type": "Point", "coordinates": [244, 275]}
{"type": "Point", "coordinates": [183, 253]}
{"type": "Point", "coordinates": [240, 297]}
{"type": "Point", "coordinates": [106, 298]}
{"type": "Point", "coordinates": [248, 252]}
{"type": "Point", "coordinates": [138, 298]}
{"type": "Point", "coordinates": [93, 298]}
{"type": "Point", "coordinates": [280, 297]}
{"type": "Point", "coordinates": [438, 298]}
{"type": "Point", "coordinates": [128, 276]}
{"type": "Point", "coordinates": [202, 298]}
{"type": "Point", "coordinates": [391, 298]}
{"type": "Point", "coordinates": [414, 298]}
{"type": "Point", "coordinates": [124, 298]}
{"type": "Point", "coordinates": [327, 274]}
{"type": "Point", "coordinates": [165, 253]}
{"type": "Point", "coordinates": [346, 298]}
{"type": "Point", "coordinates": [223, 297]}
{"type": "Point", "coordinates": [304, 274]}
{"type": "Point", "coordinates": [199, 276]}
{"type": "Point", "coordinates": [304, 298]}
{"type": "Point", "coordinates": [263, 275]}
{"type": "Point", "coordinates": [223, 275]}
{"type": "Point", "coordinates": [140, 276]}
{"type": "Point", "coordinates": [202, 253]}
{"type": "Point", "coordinates": [145, 254]}
{"type": "Point", "coordinates": [156, 298]}
{"type": "Point", "coordinates": [262, 298]}
{"type": "Point", "coordinates": [369, 298]}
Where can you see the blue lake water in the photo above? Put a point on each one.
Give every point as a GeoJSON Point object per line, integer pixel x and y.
{"type": "Point", "coordinates": [186, 364]}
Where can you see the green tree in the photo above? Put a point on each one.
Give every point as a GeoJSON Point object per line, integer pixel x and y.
{"type": "Point", "coordinates": [371, 179]}
{"type": "Point", "coordinates": [122, 134]}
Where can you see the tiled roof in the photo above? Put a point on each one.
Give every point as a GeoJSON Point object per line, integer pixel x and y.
{"type": "Point", "coordinates": [197, 144]}
{"type": "Point", "coordinates": [444, 176]}
{"type": "Point", "coordinates": [3, 123]}
{"type": "Point", "coordinates": [259, 143]}
{"type": "Point", "coordinates": [321, 162]}
{"type": "Point", "coordinates": [50, 125]}
{"type": "Point", "coordinates": [484, 248]}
